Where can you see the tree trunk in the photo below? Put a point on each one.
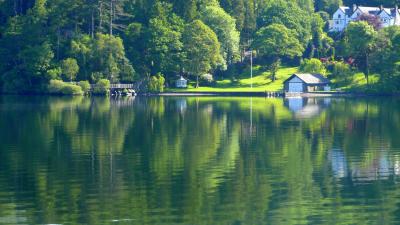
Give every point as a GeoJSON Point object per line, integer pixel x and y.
{"type": "Point", "coordinates": [274, 67]}
{"type": "Point", "coordinates": [92, 29]}
{"type": "Point", "coordinates": [100, 15]}
{"type": "Point", "coordinates": [111, 17]}
{"type": "Point", "coordinates": [367, 67]}
{"type": "Point", "coordinates": [15, 8]}
{"type": "Point", "coordinates": [58, 43]}
{"type": "Point", "coordinates": [197, 81]}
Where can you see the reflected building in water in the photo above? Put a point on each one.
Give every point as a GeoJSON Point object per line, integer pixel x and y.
{"type": "Point", "coordinates": [381, 166]}
{"type": "Point", "coordinates": [304, 108]}
{"type": "Point", "coordinates": [181, 104]}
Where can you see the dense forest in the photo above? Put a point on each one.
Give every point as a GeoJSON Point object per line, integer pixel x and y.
{"type": "Point", "coordinates": [102, 41]}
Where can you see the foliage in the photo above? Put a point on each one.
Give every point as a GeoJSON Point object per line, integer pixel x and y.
{"type": "Point", "coordinates": [164, 41]}
{"type": "Point", "coordinates": [102, 87]}
{"type": "Point", "coordinates": [290, 15]}
{"type": "Point", "coordinates": [360, 37]}
{"type": "Point", "coordinates": [276, 41]}
{"type": "Point", "coordinates": [156, 83]}
{"type": "Point", "coordinates": [69, 68]}
{"type": "Point", "coordinates": [206, 79]}
{"type": "Point", "coordinates": [104, 55]}
{"type": "Point", "coordinates": [342, 71]}
{"type": "Point", "coordinates": [202, 49]}
{"type": "Point", "coordinates": [61, 88]}
{"type": "Point", "coordinates": [126, 41]}
{"type": "Point", "coordinates": [224, 26]}
{"type": "Point", "coordinates": [312, 66]}
{"type": "Point", "coordinates": [372, 20]}
{"type": "Point", "coordinates": [85, 85]}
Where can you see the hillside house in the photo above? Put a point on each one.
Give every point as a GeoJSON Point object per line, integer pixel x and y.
{"type": "Point", "coordinates": [344, 15]}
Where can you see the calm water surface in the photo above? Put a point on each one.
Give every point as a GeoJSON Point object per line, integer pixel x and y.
{"type": "Point", "coordinates": [230, 161]}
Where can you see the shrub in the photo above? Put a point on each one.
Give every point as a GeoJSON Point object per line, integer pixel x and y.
{"type": "Point", "coordinates": [102, 87]}
{"type": "Point", "coordinates": [313, 66]}
{"type": "Point", "coordinates": [54, 73]}
{"type": "Point", "coordinates": [70, 89]}
{"type": "Point", "coordinates": [61, 88]}
{"type": "Point", "coordinates": [85, 85]}
{"type": "Point", "coordinates": [69, 68]}
{"type": "Point", "coordinates": [206, 79]}
{"type": "Point", "coordinates": [156, 83]}
{"type": "Point", "coordinates": [55, 86]}
{"type": "Point", "coordinates": [342, 71]}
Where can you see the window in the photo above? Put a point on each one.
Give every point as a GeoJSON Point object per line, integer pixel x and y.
{"type": "Point", "coordinates": [337, 22]}
{"type": "Point", "coordinates": [339, 16]}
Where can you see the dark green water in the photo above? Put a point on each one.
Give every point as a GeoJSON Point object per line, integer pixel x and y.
{"type": "Point", "coordinates": [228, 161]}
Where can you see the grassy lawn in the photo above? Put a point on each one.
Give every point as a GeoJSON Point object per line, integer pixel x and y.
{"type": "Point", "coordinates": [358, 83]}
{"type": "Point", "coordinates": [261, 82]}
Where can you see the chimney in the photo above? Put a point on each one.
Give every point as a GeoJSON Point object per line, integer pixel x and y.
{"type": "Point", "coordinates": [381, 7]}
{"type": "Point", "coordinates": [354, 7]}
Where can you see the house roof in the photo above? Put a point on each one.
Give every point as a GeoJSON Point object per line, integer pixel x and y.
{"type": "Point", "coordinates": [182, 79]}
{"type": "Point", "coordinates": [309, 78]}
{"type": "Point", "coordinates": [377, 10]}
{"type": "Point", "coordinates": [346, 10]}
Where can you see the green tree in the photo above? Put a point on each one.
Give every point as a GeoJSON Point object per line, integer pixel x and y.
{"type": "Point", "coordinates": [313, 66]}
{"type": "Point", "coordinates": [342, 71]}
{"type": "Point", "coordinates": [164, 45]}
{"type": "Point", "coordinates": [275, 42]}
{"type": "Point", "coordinates": [202, 49]}
{"type": "Point", "coordinates": [385, 58]}
{"type": "Point", "coordinates": [225, 28]}
{"type": "Point", "coordinates": [361, 37]}
{"type": "Point", "coordinates": [329, 6]}
{"type": "Point", "coordinates": [290, 15]}
{"type": "Point", "coordinates": [104, 55]}
{"type": "Point", "coordinates": [70, 68]}
{"type": "Point", "coordinates": [156, 83]}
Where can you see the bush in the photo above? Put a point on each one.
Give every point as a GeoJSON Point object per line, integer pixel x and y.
{"type": "Point", "coordinates": [61, 88]}
{"type": "Point", "coordinates": [102, 87]}
{"type": "Point", "coordinates": [313, 66]}
{"type": "Point", "coordinates": [206, 79]}
{"type": "Point", "coordinates": [85, 85]}
{"type": "Point", "coordinates": [342, 71]}
{"type": "Point", "coordinates": [70, 89]}
{"type": "Point", "coordinates": [55, 86]}
{"type": "Point", "coordinates": [156, 83]}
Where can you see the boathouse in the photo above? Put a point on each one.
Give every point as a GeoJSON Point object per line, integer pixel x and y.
{"type": "Point", "coordinates": [306, 82]}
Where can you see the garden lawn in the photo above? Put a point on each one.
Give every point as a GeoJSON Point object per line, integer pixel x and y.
{"type": "Point", "coordinates": [261, 82]}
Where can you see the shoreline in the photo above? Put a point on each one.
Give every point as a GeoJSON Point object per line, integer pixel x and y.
{"type": "Point", "coordinates": [232, 94]}
{"type": "Point", "coordinates": [272, 94]}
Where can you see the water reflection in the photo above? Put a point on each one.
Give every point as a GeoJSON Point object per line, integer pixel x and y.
{"type": "Point", "coordinates": [304, 108]}
{"type": "Point", "coordinates": [199, 160]}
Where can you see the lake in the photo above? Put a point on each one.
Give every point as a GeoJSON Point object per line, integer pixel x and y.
{"type": "Point", "coordinates": [199, 160]}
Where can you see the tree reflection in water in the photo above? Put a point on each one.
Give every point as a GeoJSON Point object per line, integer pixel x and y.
{"type": "Point", "coordinates": [200, 160]}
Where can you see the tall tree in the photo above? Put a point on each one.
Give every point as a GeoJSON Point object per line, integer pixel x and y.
{"type": "Point", "coordinates": [202, 49]}
{"type": "Point", "coordinates": [291, 16]}
{"type": "Point", "coordinates": [164, 43]}
{"type": "Point", "coordinates": [225, 28]}
{"type": "Point", "coordinates": [361, 39]}
{"type": "Point", "coordinates": [275, 42]}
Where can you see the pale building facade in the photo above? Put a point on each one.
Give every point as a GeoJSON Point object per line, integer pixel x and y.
{"type": "Point", "coordinates": [344, 15]}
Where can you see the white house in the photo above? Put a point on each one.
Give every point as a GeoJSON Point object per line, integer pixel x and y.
{"type": "Point", "coordinates": [344, 15]}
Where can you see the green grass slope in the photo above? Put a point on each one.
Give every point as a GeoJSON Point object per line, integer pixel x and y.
{"type": "Point", "coordinates": [261, 82]}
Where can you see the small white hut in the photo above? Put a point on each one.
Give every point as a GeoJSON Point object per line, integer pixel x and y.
{"type": "Point", "coordinates": [181, 83]}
